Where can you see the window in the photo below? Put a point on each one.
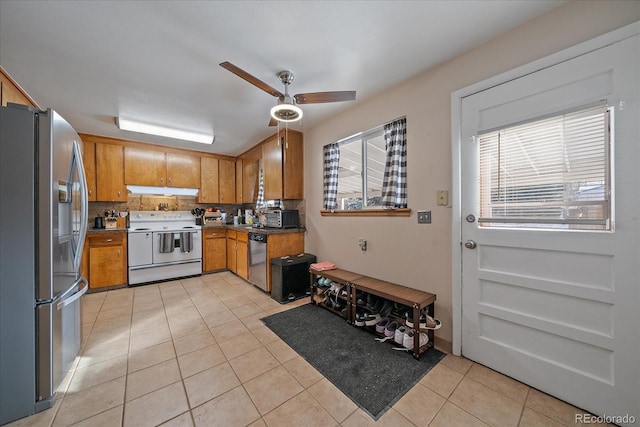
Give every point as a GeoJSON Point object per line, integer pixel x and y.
{"type": "Point", "coordinates": [360, 170]}
{"type": "Point", "coordinates": [366, 173]}
{"type": "Point", "coordinates": [549, 173]}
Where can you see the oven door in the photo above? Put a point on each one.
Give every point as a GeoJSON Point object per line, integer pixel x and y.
{"type": "Point", "coordinates": [176, 246]}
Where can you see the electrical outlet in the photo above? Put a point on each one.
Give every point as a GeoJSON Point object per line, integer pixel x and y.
{"type": "Point", "coordinates": [443, 197]}
{"type": "Point", "coordinates": [424, 217]}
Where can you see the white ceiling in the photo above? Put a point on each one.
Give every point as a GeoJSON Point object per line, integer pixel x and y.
{"type": "Point", "coordinates": [157, 61]}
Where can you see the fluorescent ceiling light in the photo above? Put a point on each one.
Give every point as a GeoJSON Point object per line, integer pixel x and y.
{"type": "Point", "coordinates": [135, 126]}
{"type": "Point", "coordinates": [286, 112]}
{"type": "Point", "coordinates": [162, 191]}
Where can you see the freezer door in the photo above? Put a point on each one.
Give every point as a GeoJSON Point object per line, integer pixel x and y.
{"type": "Point", "coordinates": [58, 343]}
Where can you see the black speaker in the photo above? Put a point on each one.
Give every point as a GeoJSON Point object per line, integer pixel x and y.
{"type": "Point", "coordinates": [290, 277]}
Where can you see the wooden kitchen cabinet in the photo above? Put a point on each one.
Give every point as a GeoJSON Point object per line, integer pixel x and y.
{"type": "Point", "coordinates": [250, 176]}
{"type": "Point", "coordinates": [105, 259]}
{"type": "Point", "coordinates": [214, 250]}
{"type": "Point", "coordinates": [283, 166]}
{"type": "Point", "coordinates": [239, 180]}
{"type": "Point", "coordinates": [145, 167]}
{"type": "Point", "coordinates": [238, 252]}
{"type": "Point", "coordinates": [242, 255]}
{"type": "Point", "coordinates": [183, 170]}
{"type": "Point", "coordinates": [89, 160]}
{"type": "Point", "coordinates": [209, 191]}
{"type": "Point", "coordinates": [11, 92]}
{"type": "Point", "coordinates": [110, 185]}
{"type": "Point", "coordinates": [227, 180]}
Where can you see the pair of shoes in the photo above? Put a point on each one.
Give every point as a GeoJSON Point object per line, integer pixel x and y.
{"type": "Point", "coordinates": [386, 308]}
{"type": "Point", "coordinates": [407, 340]}
{"type": "Point", "coordinates": [371, 319]}
{"type": "Point", "coordinates": [324, 282]}
{"type": "Point", "coordinates": [390, 329]}
{"type": "Point", "coordinates": [382, 325]}
{"type": "Point", "coordinates": [398, 336]}
{"type": "Point", "coordinates": [360, 319]}
{"type": "Point", "coordinates": [426, 321]}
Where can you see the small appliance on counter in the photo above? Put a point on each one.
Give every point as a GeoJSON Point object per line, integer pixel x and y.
{"type": "Point", "coordinates": [282, 218]}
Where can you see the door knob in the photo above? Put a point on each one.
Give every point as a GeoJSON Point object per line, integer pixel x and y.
{"type": "Point", "coordinates": [470, 244]}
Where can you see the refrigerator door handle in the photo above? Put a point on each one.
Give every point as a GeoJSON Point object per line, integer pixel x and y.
{"type": "Point", "coordinates": [84, 205]}
{"type": "Point", "coordinates": [66, 301]}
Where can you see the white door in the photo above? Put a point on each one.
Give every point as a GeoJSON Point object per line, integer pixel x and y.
{"type": "Point", "coordinates": [558, 309]}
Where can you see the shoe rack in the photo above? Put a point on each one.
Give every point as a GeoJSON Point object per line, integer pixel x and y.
{"type": "Point", "coordinates": [356, 284]}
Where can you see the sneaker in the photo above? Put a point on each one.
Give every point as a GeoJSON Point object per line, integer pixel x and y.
{"type": "Point", "coordinates": [407, 340]}
{"type": "Point", "coordinates": [371, 319]}
{"type": "Point", "coordinates": [387, 306]}
{"type": "Point", "coordinates": [381, 325]}
{"type": "Point", "coordinates": [408, 318]}
{"type": "Point", "coordinates": [360, 319]}
{"type": "Point", "coordinates": [390, 330]}
{"type": "Point", "coordinates": [399, 334]}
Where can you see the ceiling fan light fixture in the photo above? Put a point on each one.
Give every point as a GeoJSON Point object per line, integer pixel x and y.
{"type": "Point", "coordinates": [149, 129]}
{"type": "Point", "coordinates": [286, 112]}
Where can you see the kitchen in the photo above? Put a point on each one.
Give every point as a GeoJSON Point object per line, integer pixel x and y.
{"type": "Point", "coordinates": [396, 245]}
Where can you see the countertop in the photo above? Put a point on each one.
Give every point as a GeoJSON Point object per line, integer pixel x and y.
{"type": "Point", "coordinates": [244, 228]}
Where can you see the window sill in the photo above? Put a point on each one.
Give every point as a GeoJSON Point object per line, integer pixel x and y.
{"type": "Point", "coordinates": [368, 212]}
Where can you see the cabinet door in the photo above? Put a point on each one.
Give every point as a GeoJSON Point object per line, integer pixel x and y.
{"type": "Point", "coordinates": [208, 180]}
{"type": "Point", "coordinates": [215, 256]}
{"type": "Point", "coordinates": [227, 180]}
{"type": "Point", "coordinates": [89, 160]}
{"type": "Point", "coordinates": [144, 167]}
{"type": "Point", "coordinates": [250, 182]}
{"type": "Point", "coordinates": [293, 167]}
{"type": "Point", "coordinates": [105, 266]}
{"type": "Point", "coordinates": [272, 168]}
{"type": "Point", "coordinates": [110, 173]}
{"type": "Point", "coordinates": [9, 93]}
{"type": "Point", "coordinates": [242, 260]}
{"type": "Point", "coordinates": [183, 170]}
{"type": "Point", "coordinates": [231, 253]}
{"type": "Point", "coordinates": [239, 181]}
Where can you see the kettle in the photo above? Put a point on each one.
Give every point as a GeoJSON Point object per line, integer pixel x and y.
{"type": "Point", "coordinates": [99, 222]}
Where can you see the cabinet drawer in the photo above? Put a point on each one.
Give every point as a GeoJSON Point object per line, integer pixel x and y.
{"type": "Point", "coordinates": [106, 239]}
{"type": "Point", "coordinates": [243, 237]}
{"type": "Point", "coordinates": [231, 234]}
{"type": "Point", "coordinates": [214, 234]}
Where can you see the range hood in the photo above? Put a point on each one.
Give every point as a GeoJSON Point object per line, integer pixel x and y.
{"type": "Point", "coordinates": [161, 191]}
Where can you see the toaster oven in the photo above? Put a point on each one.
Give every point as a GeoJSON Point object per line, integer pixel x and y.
{"type": "Point", "coordinates": [282, 219]}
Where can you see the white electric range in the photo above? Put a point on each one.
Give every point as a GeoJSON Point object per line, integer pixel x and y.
{"type": "Point", "coordinates": [163, 245]}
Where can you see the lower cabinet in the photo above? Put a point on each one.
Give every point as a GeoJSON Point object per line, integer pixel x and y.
{"type": "Point", "coordinates": [214, 250]}
{"type": "Point", "coordinates": [237, 253]}
{"type": "Point", "coordinates": [105, 259]}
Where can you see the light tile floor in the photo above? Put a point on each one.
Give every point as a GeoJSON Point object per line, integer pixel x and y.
{"type": "Point", "coordinates": [194, 352]}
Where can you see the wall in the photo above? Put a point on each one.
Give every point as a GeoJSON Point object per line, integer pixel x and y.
{"type": "Point", "coordinates": [400, 250]}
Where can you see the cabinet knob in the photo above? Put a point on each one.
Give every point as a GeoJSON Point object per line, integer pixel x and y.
{"type": "Point", "coordinates": [119, 193]}
{"type": "Point", "coordinates": [169, 180]}
{"type": "Point", "coordinates": [161, 180]}
{"type": "Point", "coordinates": [108, 240]}
{"type": "Point", "coordinates": [90, 191]}
{"type": "Point", "coordinates": [118, 253]}
{"type": "Point", "coordinates": [222, 197]}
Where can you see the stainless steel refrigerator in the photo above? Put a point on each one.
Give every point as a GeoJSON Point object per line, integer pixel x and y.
{"type": "Point", "coordinates": [43, 224]}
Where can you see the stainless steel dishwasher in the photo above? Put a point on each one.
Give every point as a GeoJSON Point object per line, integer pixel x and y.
{"type": "Point", "coordinates": [258, 260]}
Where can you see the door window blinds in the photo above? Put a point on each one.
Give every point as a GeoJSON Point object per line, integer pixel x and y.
{"type": "Point", "coordinates": [549, 173]}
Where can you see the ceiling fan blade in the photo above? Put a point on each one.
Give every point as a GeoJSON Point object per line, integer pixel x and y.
{"type": "Point", "coordinates": [251, 79]}
{"type": "Point", "coordinates": [320, 97]}
{"type": "Point", "coordinates": [273, 122]}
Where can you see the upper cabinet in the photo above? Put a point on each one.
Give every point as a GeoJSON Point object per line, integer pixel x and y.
{"type": "Point", "coordinates": [89, 160]}
{"type": "Point", "coordinates": [157, 168]}
{"type": "Point", "coordinates": [145, 167]}
{"type": "Point", "coordinates": [110, 173]}
{"type": "Point", "coordinates": [227, 180]}
{"type": "Point", "coordinates": [239, 180]}
{"type": "Point", "coordinates": [11, 92]}
{"type": "Point", "coordinates": [283, 165]}
{"type": "Point", "coordinates": [183, 170]}
{"type": "Point", "coordinates": [209, 192]}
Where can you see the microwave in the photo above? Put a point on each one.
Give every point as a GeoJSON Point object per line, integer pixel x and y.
{"type": "Point", "coordinates": [282, 219]}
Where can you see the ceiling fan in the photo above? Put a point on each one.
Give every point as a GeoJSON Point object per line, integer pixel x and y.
{"type": "Point", "coordinates": [286, 109]}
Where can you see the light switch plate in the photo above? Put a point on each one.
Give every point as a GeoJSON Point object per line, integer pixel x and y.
{"type": "Point", "coordinates": [424, 217]}
{"type": "Point", "coordinates": [443, 197]}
